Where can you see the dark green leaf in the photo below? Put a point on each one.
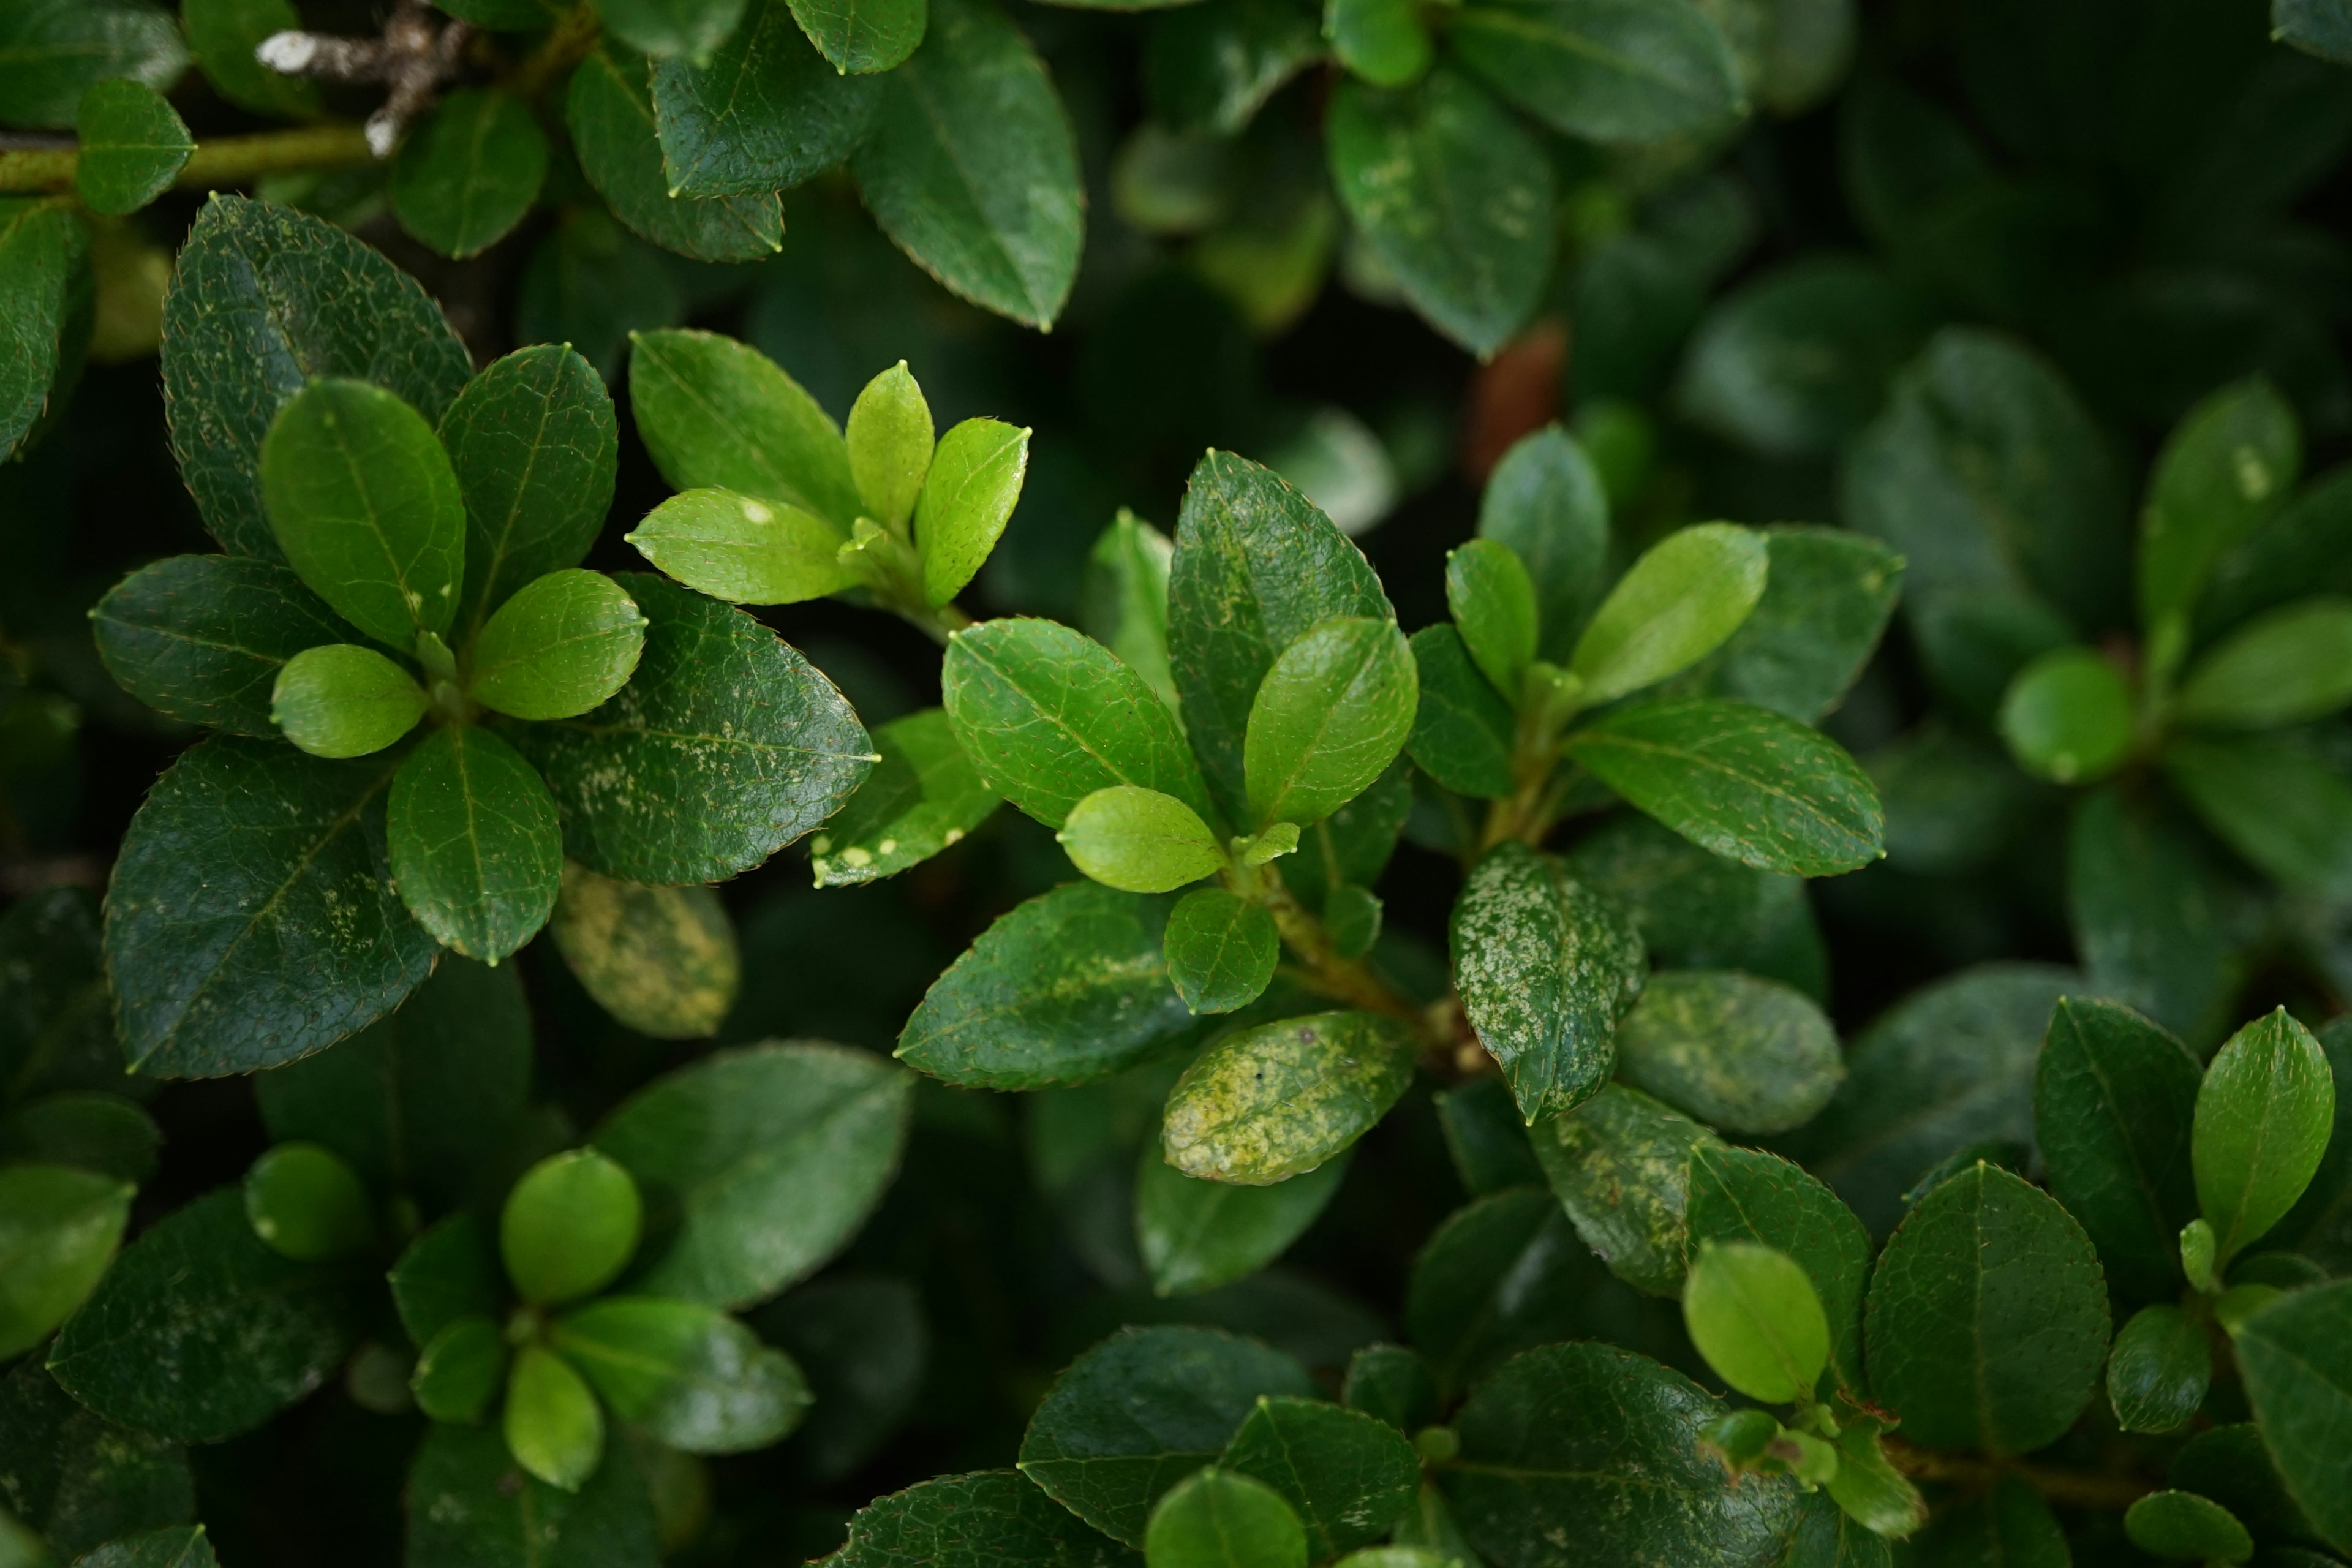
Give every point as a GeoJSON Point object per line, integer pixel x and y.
{"type": "Point", "coordinates": [610, 112]}
{"type": "Point", "coordinates": [2285, 810]}
{"type": "Point", "coordinates": [2264, 1114]}
{"type": "Point", "coordinates": [863, 1340]}
{"type": "Point", "coordinates": [1454, 197]}
{"type": "Point", "coordinates": [691, 1376]}
{"type": "Point", "coordinates": [475, 842]}
{"type": "Point", "coordinates": [2148, 910]}
{"type": "Point", "coordinates": [50, 50]}
{"type": "Point", "coordinates": [666, 27]}
{"type": "Point", "coordinates": [1607, 70]}
{"type": "Point", "coordinates": [77, 1477]}
{"type": "Point", "coordinates": [1212, 67]}
{"type": "Point", "coordinates": [1345, 1475]}
{"type": "Point", "coordinates": [450, 1272]}
{"type": "Point", "coordinates": [344, 701]}
{"type": "Point", "coordinates": [264, 299]}
{"type": "Point", "coordinates": [1824, 606]}
{"type": "Point", "coordinates": [1462, 729]}
{"type": "Point", "coordinates": [863, 39]}
{"type": "Point", "coordinates": [2010, 1526]}
{"type": "Point", "coordinates": [180, 1546]}
{"type": "Point", "coordinates": [1222, 950]}
{"type": "Point", "coordinates": [2232, 1464]}
{"type": "Point", "coordinates": [1744, 782]}
{"type": "Point", "coordinates": [767, 112]}
{"type": "Point", "coordinates": [1487, 1136]}
{"type": "Point", "coordinates": [460, 1370]}
{"type": "Point", "coordinates": [716, 414]}
{"type": "Point", "coordinates": [1826, 1536]}
{"type": "Point", "coordinates": [1693, 910]}
{"type": "Point", "coordinates": [202, 637]}
{"type": "Point", "coordinates": [100, 1133]}
{"type": "Point", "coordinates": [1545, 500]}
{"type": "Point", "coordinates": [1619, 1164]}
{"type": "Point", "coordinates": [228, 959]}
{"type": "Point", "coordinates": [1503, 1274]}
{"type": "Point", "coordinates": [2160, 1370]}
{"type": "Point", "coordinates": [922, 797]}
{"type": "Point", "coordinates": [132, 142]}
{"type": "Point", "coordinates": [1394, 1383]}
{"type": "Point", "coordinates": [2297, 1357]}
{"type": "Point", "coordinates": [726, 746]}
{"type": "Point", "coordinates": [1603, 1446]}
{"type": "Point", "coordinates": [59, 1230]}
{"type": "Point", "coordinates": [1546, 966]}
{"type": "Point", "coordinates": [534, 445]}
{"type": "Point", "coordinates": [1988, 1318]}
{"type": "Point", "coordinates": [2113, 1096]}
{"type": "Point", "coordinates": [1124, 603]}
{"type": "Point", "coordinates": [1738, 1053]}
{"type": "Point", "coordinates": [758, 1164]}
{"type": "Point", "coordinates": [990, 1519]}
{"type": "Point", "coordinates": [1142, 1409]}
{"type": "Point", "coordinates": [57, 1021]}
{"type": "Point", "coordinates": [469, 1502]}
{"type": "Point", "coordinates": [200, 1331]}
{"type": "Point", "coordinates": [2283, 668]}
{"type": "Point", "coordinates": [223, 34]}
{"type": "Point", "coordinates": [2231, 460]}
{"type": "Point", "coordinates": [2316, 26]}
{"type": "Point", "coordinates": [45, 293]}
{"type": "Point", "coordinates": [1277, 1100]}
{"type": "Point", "coordinates": [1740, 1194]}
{"type": "Point", "coordinates": [2184, 1527]}
{"type": "Point", "coordinates": [968, 497]}
{"type": "Point", "coordinates": [971, 167]}
{"type": "Point", "coordinates": [1195, 1235]}
{"type": "Point", "coordinates": [2321, 1224]}
{"type": "Point", "coordinates": [470, 172]}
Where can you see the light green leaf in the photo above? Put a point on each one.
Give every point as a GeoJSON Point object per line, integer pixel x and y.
{"type": "Point", "coordinates": [2231, 460]}
{"type": "Point", "coordinates": [921, 798]}
{"type": "Point", "coordinates": [1222, 950]}
{"type": "Point", "coordinates": [1140, 840]}
{"type": "Point", "coordinates": [1331, 713]}
{"type": "Point", "coordinates": [469, 173]}
{"type": "Point", "coordinates": [2285, 810]}
{"type": "Point", "coordinates": [1349, 1477]}
{"type": "Point", "coordinates": [59, 1230]}
{"type": "Point", "coordinates": [1382, 41]}
{"type": "Point", "coordinates": [968, 497]}
{"type": "Point", "coordinates": [569, 1228]}
{"type": "Point", "coordinates": [132, 144]}
{"type": "Point", "coordinates": [1675, 605]}
{"type": "Point", "coordinates": [101, 1133]}
{"type": "Point", "coordinates": [2068, 717]}
{"type": "Point", "coordinates": [1619, 1164]}
{"type": "Point", "coordinates": [1607, 70]}
{"type": "Point", "coordinates": [2292, 664]}
{"type": "Point", "coordinates": [1754, 1315]}
{"type": "Point", "coordinates": [862, 37]}
{"type": "Point", "coordinates": [2297, 1358]}
{"type": "Point", "coordinates": [744, 551]}
{"type": "Point", "coordinates": [1217, 1519]}
{"type": "Point", "coordinates": [562, 645]}
{"type": "Point", "coordinates": [1738, 1196]}
{"type": "Point", "coordinates": [1492, 600]}
{"type": "Point", "coordinates": [890, 439]}
{"type": "Point", "coordinates": [1741, 1054]}
{"type": "Point", "coordinates": [2264, 1114]}
{"type": "Point", "coordinates": [553, 1426]}
{"type": "Point", "coordinates": [459, 1370]}
{"type": "Point", "coordinates": [306, 1204]}
{"type": "Point", "coordinates": [691, 1376]}
{"type": "Point", "coordinates": [1125, 601]}
{"type": "Point", "coordinates": [719, 415]}
{"type": "Point", "coordinates": [1279, 1100]}
{"type": "Point", "coordinates": [343, 700]}
{"type": "Point", "coordinates": [1194, 1234]}
{"type": "Point", "coordinates": [475, 842]}
{"type": "Point", "coordinates": [1825, 604]}
{"type": "Point", "coordinates": [609, 109]}
{"type": "Point", "coordinates": [1462, 731]}
{"type": "Point", "coordinates": [662, 961]}
{"type": "Point", "coordinates": [1545, 500]}
{"type": "Point", "coordinates": [763, 113]}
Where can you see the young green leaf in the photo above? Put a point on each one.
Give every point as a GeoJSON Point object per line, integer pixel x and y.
{"type": "Point", "coordinates": [2146, 898]}
{"type": "Point", "coordinates": [1743, 782]}
{"type": "Point", "coordinates": [761, 113]}
{"type": "Point", "coordinates": [562, 645]}
{"type": "Point", "coordinates": [1331, 713]}
{"type": "Point", "coordinates": [1619, 1164]}
{"type": "Point", "coordinates": [1194, 1234]}
{"type": "Point", "coordinates": [1742, 1195]}
{"type": "Point", "coordinates": [1222, 950]}
{"type": "Point", "coordinates": [1463, 731]}
{"type": "Point", "coordinates": [1141, 1410]}
{"type": "Point", "coordinates": [568, 1227]}
{"type": "Point", "coordinates": [719, 415]}
{"type": "Point", "coordinates": [1048, 717]}
{"type": "Point", "coordinates": [1545, 500]}
{"type": "Point", "coordinates": [1738, 1053]}
{"type": "Point", "coordinates": [132, 144]}
{"type": "Point", "coordinates": [2297, 1358]}
{"type": "Point", "coordinates": [1675, 605]}
{"type": "Point", "coordinates": [890, 440]}
{"type": "Point", "coordinates": [2263, 1117]}
{"type": "Point", "coordinates": [775, 1153]}
{"type": "Point", "coordinates": [1125, 602]}
{"type": "Point", "coordinates": [459, 1370]}
{"type": "Point", "coordinates": [104, 1134]}
{"type": "Point", "coordinates": [475, 842]}
{"type": "Point", "coordinates": [553, 1426]}
{"type": "Point", "coordinates": [691, 1376]}
{"type": "Point", "coordinates": [993, 1519]}
{"type": "Point", "coordinates": [743, 550]}
{"type": "Point", "coordinates": [971, 168]}
{"type": "Point", "coordinates": [469, 173]}
{"type": "Point", "coordinates": [1279, 1100]}
{"type": "Point", "coordinates": [609, 109]}
{"type": "Point", "coordinates": [1215, 1518]}
{"type": "Point", "coordinates": [2290, 666]}
{"type": "Point", "coordinates": [1546, 966]}
{"type": "Point", "coordinates": [201, 638]}
{"type": "Point", "coordinates": [59, 1230]}
{"type": "Point", "coordinates": [1501, 1275]}
{"type": "Point", "coordinates": [308, 1204]}
{"type": "Point", "coordinates": [341, 699]}
{"type": "Point", "coordinates": [2286, 810]}
{"type": "Point", "coordinates": [2229, 462]}
{"type": "Point", "coordinates": [1987, 1320]}
{"type": "Point", "coordinates": [1604, 69]}
{"type": "Point", "coordinates": [1392, 1384]}
{"type": "Point", "coordinates": [968, 497]}
{"type": "Point", "coordinates": [1753, 1313]}
{"type": "Point", "coordinates": [1492, 601]}
{"type": "Point", "coordinates": [663, 961]}
{"type": "Point", "coordinates": [1345, 1475]}
{"type": "Point", "coordinates": [2160, 1370]}
{"type": "Point", "coordinates": [922, 797]}
{"type": "Point", "coordinates": [1826, 603]}
{"type": "Point", "coordinates": [2068, 717]}
{"type": "Point", "coordinates": [1382, 41]}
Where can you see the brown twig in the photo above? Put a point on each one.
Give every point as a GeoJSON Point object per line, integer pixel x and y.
{"type": "Point", "coordinates": [2075, 1488]}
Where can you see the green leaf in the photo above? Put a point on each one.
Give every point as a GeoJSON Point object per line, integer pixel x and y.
{"type": "Point", "coordinates": [864, 1342]}
{"type": "Point", "coordinates": [1987, 1320]}
{"type": "Point", "coordinates": [223, 34]}
{"type": "Point", "coordinates": [2069, 717]}
{"type": "Point", "coordinates": [1604, 1446]}
{"type": "Point", "coordinates": [1487, 1136]}
{"type": "Point", "coordinates": [460, 1371]}
{"type": "Point", "coordinates": [758, 1163]}
{"type": "Point", "coordinates": [1454, 196]}
{"type": "Point", "coordinates": [1382, 41]}
{"type": "Point", "coordinates": [344, 701]}
{"type": "Point", "coordinates": [200, 1331]}
{"type": "Point", "coordinates": [1331, 713]}
{"type": "Point", "coordinates": [1215, 1518]}
{"type": "Point", "coordinates": [47, 290]}
{"type": "Point", "coordinates": [77, 1479]}
{"type": "Point", "coordinates": [1738, 1053]}
{"type": "Point", "coordinates": [468, 1502]}
{"type": "Point", "coordinates": [202, 637]}
{"type": "Point", "coordinates": [366, 508]}
{"type": "Point", "coordinates": [1222, 950]}
{"type": "Point", "coordinates": [1212, 67]}
{"type": "Point", "coordinates": [1826, 1536]}
{"type": "Point", "coordinates": [229, 960]}
{"type": "Point", "coordinates": [469, 173]}
{"type": "Point", "coordinates": [861, 40]}
{"type": "Point", "coordinates": [2321, 1224]}
{"type": "Point", "coordinates": [1463, 731]}
{"type": "Point", "coordinates": [2297, 1358]}
{"type": "Point", "coordinates": [725, 746]}
{"type": "Point", "coordinates": [1607, 70]}
{"type": "Point", "coordinates": [890, 440]}
{"type": "Point", "coordinates": [1744, 782]}
{"type": "Point", "coordinates": [2114, 1098]}
{"type": "Point", "coordinates": [2285, 810]}
{"type": "Point", "coordinates": [718, 414]}
{"type": "Point", "coordinates": [1738, 1196]}
{"type": "Point", "coordinates": [1825, 603]}
{"type": "Point", "coordinates": [1067, 988]}
{"type": "Point", "coordinates": [691, 1376]}
{"type": "Point", "coordinates": [610, 112]}
{"type": "Point", "coordinates": [562, 645]}
{"type": "Point", "coordinates": [422, 1100]}
{"type": "Point", "coordinates": [1048, 717]}
{"type": "Point", "coordinates": [1546, 966]}
{"type": "Point", "coordinates": [2160, 1370]}
{"type": "Point", "coordinates": [1347, 1476]}
{"type": "Point", "coordinates": [1392, 1383]}
{"type": "Point", "coordinates": [2146, 904]}
{"type": "Point", "coordinates": [475, 842]}
{"type": "Point", "coordinates": [179, 1546]}
{"type": "Point", "coordinates": [50, 50]}
{"type": "Point", "coordinates": [306, 1204]}
{"type": "Point", "coordinates": [741, 550]}
{"type": "Point", "coordinates": [1503, 1274]}
{"type": "Point", "coordinates": [534, 445]}
{"type": "Point", "coordinates": [1545, 500]}
{"type": "Point", "coordinates": [448, 1273]}
{"type": "Point", "coordinates": [974, 484]}
{"type": "Point", "coordinates": [265, 300]}
{"type": "Point", "coordinates": [132, 144]}
{"type": "Point", "coordinates": [1676, 605]}
{"type": "Point", "coordinates": [1194, 1234]}
{"type": "Point", "coordinates": [971, 168]}
{"type": "Point", "coordinates": [2316, 26]}
{"type": "Point", "coordinates": [2283, 668]}
{"type": "Point", "coordinates": [100, 1133]}
{"type": "Point", "coordinates": [2263, 1117]}
{"type": "Point", "coordinates": [922, 797]}
{"type": "Point", "coordinates": [763, 113]}
{"type": "Point", "coordinates": [569, 1228]}
{"type": "Point", "coordinates": [1140, 1411]}
{"type": "Point", "coordinates": [1279, 1100]}
{"type": "Point", "coordinates": [1753, 1314]}
{"type": "Point", "coordinates": [993, 1519]}
{"type": "Point", "coordinates": [2011, 1525]}
{"type": "Point", "coordinates": [59, 1230]}
{"type": "Point", "coordinates": [553, 1426]}
{"type": "Point", "coordinates": [666, 27]}
{"type": "Point", "coordinates": [1125, 602]}
{"type": "Point", "coordinates": [1619, 1164]}
{"type": "Point", "coordinates": [1492, 600]}
{"type": "Point", "coordinates": [662, 961]}
{"type": "Point", "coordinates": [2229, 462]}
{"type": "Point", "coordinates": [2232, 1464]}
{"type": "Point", "coordinates": [2184, 1527]}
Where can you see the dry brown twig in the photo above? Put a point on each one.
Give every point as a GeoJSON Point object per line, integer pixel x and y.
{"type": "Point", "coordinates": [413, 57]}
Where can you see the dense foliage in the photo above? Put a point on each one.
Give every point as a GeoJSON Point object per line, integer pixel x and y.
{"type": "Point", "coordinates": [1696, 907]}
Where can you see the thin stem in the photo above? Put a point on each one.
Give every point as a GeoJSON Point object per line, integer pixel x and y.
{"type": "Point", "coordinates": [2075, 1488]}
{"type": "Point", "coordinates": [1346, 980]}
{"type": "Point", "coordinates": [566, 46]}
